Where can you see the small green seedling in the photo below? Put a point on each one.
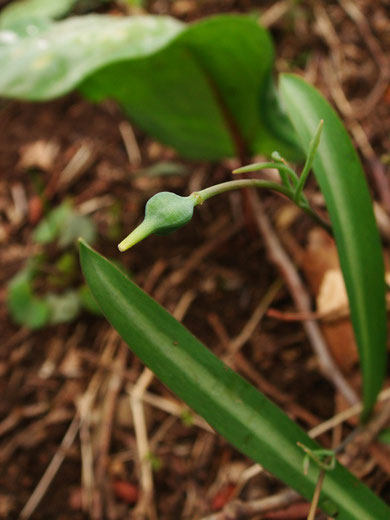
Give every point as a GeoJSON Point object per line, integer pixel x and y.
{"type": "Point", "coordinates": [62, 302]}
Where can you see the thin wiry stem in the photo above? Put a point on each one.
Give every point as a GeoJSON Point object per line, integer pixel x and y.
{"type": "Point", "coordinates": [207, 193]}
{"type": "Point", "coordinates": [309, 161]}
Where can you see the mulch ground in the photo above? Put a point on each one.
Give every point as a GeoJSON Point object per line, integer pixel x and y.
{"type": "Point", "coordinates": [69, 392]}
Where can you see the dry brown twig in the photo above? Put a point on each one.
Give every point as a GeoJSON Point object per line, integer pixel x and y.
{"type": "Point", "coordinates": [238, 510]}
{"type": "Point", "coordinates": [131, 144]}
{"type": "Point", "coordinates": [146, 505]}
{"type": "Point", "coordinates": [274, 13]}
{"type": "Point", "coordinates": [115, 382]}
{"type": "Point", "coordinates": [380, 58]}
{"type": "Point", "coordinates": [332, 73]}
{"type": "Point", "coordinates": [220, 236]}
{"type": "Point", "coordinates": [253, 322]}
{"type": "Point", "coordinates": [70, 435]}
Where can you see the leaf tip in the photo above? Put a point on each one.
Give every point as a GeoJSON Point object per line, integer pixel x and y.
{"type": "Point", "coordinates": [82, 244]}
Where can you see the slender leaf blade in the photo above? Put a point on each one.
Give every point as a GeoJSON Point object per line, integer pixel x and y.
{"type": "Point", "coordinates": [341, 178]}
{"type": "Point", "coordinates": [244, 416]}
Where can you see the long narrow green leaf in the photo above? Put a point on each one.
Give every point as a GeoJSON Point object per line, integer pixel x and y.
{"type": "Point", "coordinates": [229, 404]}
{"type": "Point", "coordinates": [342, 182]}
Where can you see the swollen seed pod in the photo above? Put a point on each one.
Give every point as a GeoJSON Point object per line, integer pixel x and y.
{"type": "Point", "coordinates": [164, 212]}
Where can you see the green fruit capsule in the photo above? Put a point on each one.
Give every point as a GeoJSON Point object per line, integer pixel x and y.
{"type": "Point", "coordinates": [164, 212]}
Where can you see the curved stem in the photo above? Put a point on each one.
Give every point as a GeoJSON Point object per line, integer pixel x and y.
{"type": "Point", "coordinates": [282, 168]}
{"type": "Point", "coordinates": [207, 193]}
{"type": "Point", "coordinates": [309, 161]}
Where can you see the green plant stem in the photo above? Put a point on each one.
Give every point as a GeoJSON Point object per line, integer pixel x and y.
{"type": "Point", "coordinates": [285, 171]}
{"type": "Point", "coordinates": [309, 161]}
{"type": "Point", "coordinates": [207, 193]}
{"type": "Point", "coordinates": [211, 191]}
{"type": "Point", "coordinates": [283, 174]}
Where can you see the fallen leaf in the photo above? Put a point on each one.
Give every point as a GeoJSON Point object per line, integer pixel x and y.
{"type": "Point", "coordinates": [332, 295]}
{"type": "Point", "coordinates": [322, 270]}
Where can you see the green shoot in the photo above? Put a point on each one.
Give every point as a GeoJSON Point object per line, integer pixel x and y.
{"type": "Point", "coordinates": [309, 161]}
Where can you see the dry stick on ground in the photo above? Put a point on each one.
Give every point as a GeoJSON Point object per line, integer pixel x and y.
{"type": "Point", "coordinates": [274, 13]}
{"type": "Point", "coordinates": [88, 477]}
{"type": "Point", "coordinates": [368, 434]}
{"type": "Point", "coordinates": [69, 437]}
{"type": "Point", "coordinates": [351, 114]}
{"type": "Point", "coordinates": [86, 451]}
{"type": "Point", "coordinates": [146, 505]}
{"type": "Point", "coordinates": [246, 333]}
{"type": "Point", "coordinates": [169, 406]}
{"type": "Point", "coordinates": [52, 469]}
{"type": "Point", "coordinates": [380, 58]}
{"type": "Point", "coordinates": [82, 159]}
{"type": "Point", "coordinates": [17, 415]}
{"type": "Point", "coordinates": [114, 386]}
{"type": "Point", "coordinates": [131, 144]}
{"type": "Point", "coordinates": [302, 301]}
{"type": "Point", "coordinates": [238, 510]}
{"type": "Point", "coordinates": [223, 233]}
{"type": "Point", "coordinates": [325, 28]}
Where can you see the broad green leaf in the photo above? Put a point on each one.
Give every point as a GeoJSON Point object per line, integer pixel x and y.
{"type": "Point", "coordinates": [59, 58]}
{"type": "Point", "coordinates": [240, 413]}
{"type": "Point", "coordinates": [26, 309]}
{"type": "Point", "coordinates": [205, 88]}
{"type": "Point", "coordinates": [341, 178]}
{"type": "Point", "coordinates": [23, 13]}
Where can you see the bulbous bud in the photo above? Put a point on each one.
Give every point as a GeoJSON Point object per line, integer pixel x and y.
{"type": "Point", "coordinates": [169, 211]}
{"type": "Point", "coordinates": [164, 212]}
